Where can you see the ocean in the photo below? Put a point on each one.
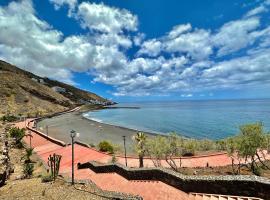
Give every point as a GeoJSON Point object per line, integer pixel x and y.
{"type": "Point", "coordinates": [212, 119]}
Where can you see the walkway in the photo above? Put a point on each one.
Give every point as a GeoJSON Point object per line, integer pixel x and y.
{"type": "Point", "coordinates": [108, 181]}
{"type": "Point", "coordinates": [111, 181]}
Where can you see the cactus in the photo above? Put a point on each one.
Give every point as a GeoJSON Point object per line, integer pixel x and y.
{"type": "Point", "coordinates": [54, 164]}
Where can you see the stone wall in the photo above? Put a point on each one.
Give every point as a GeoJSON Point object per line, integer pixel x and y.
{"type": "Point", "coordinates": [239, 185]}
{"type": "Point", "coordinates": [6, 168]}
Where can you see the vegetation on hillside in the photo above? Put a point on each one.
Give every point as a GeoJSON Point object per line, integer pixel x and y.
{"type": "Point", "coordinates": [26, 94]}
{"type": "Point", "coordinates": [247, 148]}
{"type": "Point", "coordinates": [9, 118]}
{"type": "Point", "coordinates": [18, 135]}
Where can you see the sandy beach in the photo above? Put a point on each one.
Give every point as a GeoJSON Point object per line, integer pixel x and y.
{"type": "Point", "coordinates": [91, 132]}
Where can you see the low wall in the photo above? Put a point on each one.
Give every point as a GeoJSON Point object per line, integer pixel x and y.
{"type": "Point", "coordinates": [51, 139]}
{"type": "Point", "coordinates": [239, 185]}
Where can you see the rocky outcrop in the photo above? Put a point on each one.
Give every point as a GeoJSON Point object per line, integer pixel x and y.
{"type": "Point", "coordinates": [6, 168]}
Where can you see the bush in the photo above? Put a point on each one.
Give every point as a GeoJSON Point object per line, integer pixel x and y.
{"type": "Point", "coordinates": [9, 118]}
{"type": "Point", "coordinates": [257, 171]}
{"type": "Point", "coordinates": [106, 146]}
{"type": "Point", "coordinates": [28, 169]}
{"type": "Point", "coordinates": [114, 159]}
{"type": "Point", "coordinates": [190, 147]}
{"type": "Point", "coordinates": [28, 154]}
{"type": "Point", "coordinates": [18, 134]}
{"type": "Point", "coordinates": [46, 178]}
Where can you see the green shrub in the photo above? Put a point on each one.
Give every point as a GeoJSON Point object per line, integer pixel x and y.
{"type": "Point", "coordinates": [18, 134]}
{"type": "Point", "coordinates": [9, 118]}
{"type": "Point", "coordinates": [106, 146]}
{"type": "Point", "coordinates": [257, 171]}
{"type": "Point", "coordinates": [28, 154]}
{"type": "Point", "coordinates": [114, 159]}
{"type": "Point", "coordinates": [46, 178]}
{"type": "Point", "coordinates": [28, 169]}
{"type": "Point", "coordinates": [190, 147]}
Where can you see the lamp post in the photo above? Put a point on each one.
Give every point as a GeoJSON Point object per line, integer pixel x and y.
{"type": "Point", "coordinates": [124, 138]}
{"type": "Point", "coordinates": [30, 138]}
{"type": "Point", "coordinates": [73, 134]}
{"type": "Point", "coordinates": [47, 130]}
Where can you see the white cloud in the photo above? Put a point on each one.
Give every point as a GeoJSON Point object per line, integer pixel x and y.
{"type": "Point", "coordinates": [235, 35]}
{"type": "Point", "coordinates": [178, 30]}
{"type": "Point", "coordinates": [196, 44]}
{"type": "Point", "coordinates": [138, 39]}
{"type": "Point", "coordinates": [70, 3]}
{"type": "Point", "coordinates": [189, 64]}
{"type": "Point", "coordinates": [151, 47]}
{"type": "Point", "coordinates": [186, 95]}
{"type": "Point", "coordinates": [256, 11]}
{"type": "Point", "coordinates": [106, 19]}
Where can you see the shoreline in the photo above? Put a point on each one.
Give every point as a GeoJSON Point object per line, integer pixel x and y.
{"type": "Point", "coordinates": [153, 133]}
{"type": "Point", "coordinates": [91, 132]}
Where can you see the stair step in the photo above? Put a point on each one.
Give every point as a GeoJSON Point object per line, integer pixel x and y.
{"type": "Point", "coordinates": [191, 196]}
{"type": "Point", "coordinates": [198, 197]}
{"type": "Point", "coordinates": [204, 196]}
{"type": "Point", "coordinates": [214, 197]}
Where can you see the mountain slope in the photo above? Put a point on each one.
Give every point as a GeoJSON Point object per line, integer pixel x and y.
{"type": "Point", "coordinates": [22, 92]}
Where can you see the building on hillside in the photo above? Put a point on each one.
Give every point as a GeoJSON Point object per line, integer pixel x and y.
{"type": "Point", "coordinates": [59, 89]}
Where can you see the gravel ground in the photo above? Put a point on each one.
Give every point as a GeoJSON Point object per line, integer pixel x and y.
{"type": "Point", "coordinates": [34, 189]}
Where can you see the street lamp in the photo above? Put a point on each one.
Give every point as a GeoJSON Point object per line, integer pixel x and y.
{"type": "Point", "coordinates": [30, 138]}
{"type": "Point", "coordinates": [124, 138]}
{"type": "Point", "coordinates": [47, 130]}
{"type": "Point", "coordinates": [73, 134]}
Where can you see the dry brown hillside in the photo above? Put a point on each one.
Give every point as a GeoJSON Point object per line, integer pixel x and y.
{"type": "Point", "coordinates": [22, 92]}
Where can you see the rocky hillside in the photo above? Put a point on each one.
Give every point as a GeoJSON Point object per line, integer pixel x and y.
{"type": "Point", "coordinates": [22, 92]}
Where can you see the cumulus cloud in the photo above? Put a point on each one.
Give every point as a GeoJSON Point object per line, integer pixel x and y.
{"type": "Point", "coordinates": [29, 42]}
{"type": "Point", "coordinates": [106, 19]}
{"type": "Point", "coordinates": [186, 60]}
{"type": "Point", "coordinates": [70, 3]}
{"type": "Point", "coordinates": [236, 35]}
{"type": "Point", "coordinates": [151, 47]}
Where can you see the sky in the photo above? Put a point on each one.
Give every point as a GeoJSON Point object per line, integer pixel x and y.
{"type": "Point", "coordinates": [130, 50]}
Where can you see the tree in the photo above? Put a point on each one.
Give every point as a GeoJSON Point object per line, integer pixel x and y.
{"type": "Point", "coordinates": [250, 145]}
{"type": "Point", "coordinates": [155, 148]}
{"type": "Point", "coordinates": [140, 139]}
{"type": "Point", "coordinates": [166, 148]}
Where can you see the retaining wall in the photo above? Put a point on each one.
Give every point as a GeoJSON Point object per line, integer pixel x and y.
{"type": "Point", "coordinates": [239, 185]}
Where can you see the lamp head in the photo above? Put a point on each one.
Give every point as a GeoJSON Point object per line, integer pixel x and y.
{"type": "Point", "coordinates": [74, 134]}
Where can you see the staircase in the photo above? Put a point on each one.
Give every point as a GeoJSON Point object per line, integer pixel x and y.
{"type": "Point", "coordinates": [202, 196]}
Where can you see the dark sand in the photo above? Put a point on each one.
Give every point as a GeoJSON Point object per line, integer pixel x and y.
{"type": "Point", "coordinates": [91, 132]}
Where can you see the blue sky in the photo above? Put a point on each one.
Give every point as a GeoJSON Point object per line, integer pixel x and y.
{"type": "Point", "coordinates": [143, 50]}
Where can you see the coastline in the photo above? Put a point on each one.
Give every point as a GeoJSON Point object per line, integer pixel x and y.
{"type": "Point", "coordinates": [91, 132]}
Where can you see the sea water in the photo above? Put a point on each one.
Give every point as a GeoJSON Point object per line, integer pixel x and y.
{"type": "Point", "coordinates": [213, 119]}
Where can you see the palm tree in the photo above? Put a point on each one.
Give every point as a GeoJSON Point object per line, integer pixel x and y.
{"type": "Point", "coordinates": [140, 139]}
